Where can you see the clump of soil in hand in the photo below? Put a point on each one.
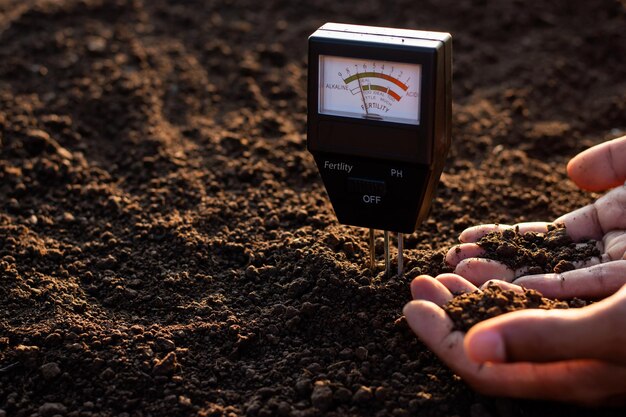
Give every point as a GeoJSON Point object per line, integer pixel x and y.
{"type": "Point", "coordinates": [553, 251]}
{"type": "Point", "coordinates": [468, 309]}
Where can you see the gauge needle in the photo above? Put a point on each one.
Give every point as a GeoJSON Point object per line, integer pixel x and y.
{"type": "Point", "coordinates": [362, 95]}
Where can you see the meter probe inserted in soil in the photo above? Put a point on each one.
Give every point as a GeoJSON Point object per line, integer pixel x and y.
{"type": "Point", "coordinates": [378, 124]}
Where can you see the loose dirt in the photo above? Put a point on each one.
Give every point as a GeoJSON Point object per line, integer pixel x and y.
{"type": "Point", "coordinates": [537, 253]}
{"type": "Point", "coordinates": [468, 309]}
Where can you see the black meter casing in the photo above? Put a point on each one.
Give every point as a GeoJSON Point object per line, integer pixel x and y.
{"type": "Point", "coordinates": [382, 174]}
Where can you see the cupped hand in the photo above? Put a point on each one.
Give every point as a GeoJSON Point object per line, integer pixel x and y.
{"type": "Point", "coordinates": [597, 168]}
{"type": "Point", "coordinates": [595, 278]}
{"type": "Point", "coordinates": [575, 355]}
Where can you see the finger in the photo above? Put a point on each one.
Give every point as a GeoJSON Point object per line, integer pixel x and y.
{"type": "Point", "coordinates": [463, 251]}
{"type": "Point", "coordinates": [594, 282]}
{"type": "Point", "coordinates": [591, 332]}
{"type": "Point", "coordinates": [503, 285]}
{"type": "Point", "coordinates": [593, 221]}
{"type": "Point", "coordinates": [456, 284]}
{"type": "Point", "coordinates": [479, 270]}
{"type": "Point", "coordinates": [581, 381]}
{"type": "Point", "coordinates": [433, 326]}
{"type": "Point", "coordinates": [428, 288]}
{"type": "Point", "coordinates": [473, 234]}
{"type": "Point", "coordinates": [615, 245]}
{"type": "Point", "coordinates": [600, 167]}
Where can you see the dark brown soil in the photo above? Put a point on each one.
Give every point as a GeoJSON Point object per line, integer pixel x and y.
{"type": "Point", "coordinates": [467, 309]}
{"type": "Point", "coordinates": [166, 244]}
{"type": "Point", "coordinates": [553, 251]}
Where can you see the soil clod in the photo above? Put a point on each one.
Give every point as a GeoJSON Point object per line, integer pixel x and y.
{"type": "Point", "coordinates": [468, 309]}
{"type": "Point", "coordinates": [550, 252]}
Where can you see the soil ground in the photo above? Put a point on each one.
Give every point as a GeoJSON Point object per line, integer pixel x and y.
{"type": "Point", "coordinates": [166, 244]}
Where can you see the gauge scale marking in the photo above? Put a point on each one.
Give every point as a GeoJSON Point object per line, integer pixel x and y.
{"type": "Point", "coordinates": [378, 90]}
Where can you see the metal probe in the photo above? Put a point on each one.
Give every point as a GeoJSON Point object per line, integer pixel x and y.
{"type": "Point", "coordinates": [400, 257]}
{"type": "Point", "coordinates": [372, 252]}
{"type": "Point", "coordinates": [387, 258]}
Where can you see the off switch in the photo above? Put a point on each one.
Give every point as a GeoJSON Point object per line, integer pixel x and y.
{"type": "Point", "coordinates": [365, 186]}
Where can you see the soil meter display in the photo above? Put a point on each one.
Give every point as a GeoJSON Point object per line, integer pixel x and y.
{"type": "Point", "coordinates": [378, 122]}
{"type": "Point", "coordinates": [379, 90]}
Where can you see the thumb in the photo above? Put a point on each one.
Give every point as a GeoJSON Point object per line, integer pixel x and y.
{"type": "Point", "coordinates": [593, 332]}
{"type": "Point", "coordinates": [600, 167]}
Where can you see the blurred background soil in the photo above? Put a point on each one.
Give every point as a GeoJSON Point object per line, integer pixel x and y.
{"type": "Point", "coordinates": [166, 244]}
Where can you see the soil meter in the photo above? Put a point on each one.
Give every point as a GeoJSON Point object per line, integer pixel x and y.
{"type": "Point", "coordinates": [379, 110]}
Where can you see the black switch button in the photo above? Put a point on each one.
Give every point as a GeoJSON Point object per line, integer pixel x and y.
{"type": "Point", "coordinates": [365, 186]}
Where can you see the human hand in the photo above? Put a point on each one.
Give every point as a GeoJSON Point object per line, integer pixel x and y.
{"type": "Point", "coordinates": [574, 355]}
{"type": "Point", "coordinates": [597, 168]}
{"type": "Point", "coordinates": [595, 278]}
